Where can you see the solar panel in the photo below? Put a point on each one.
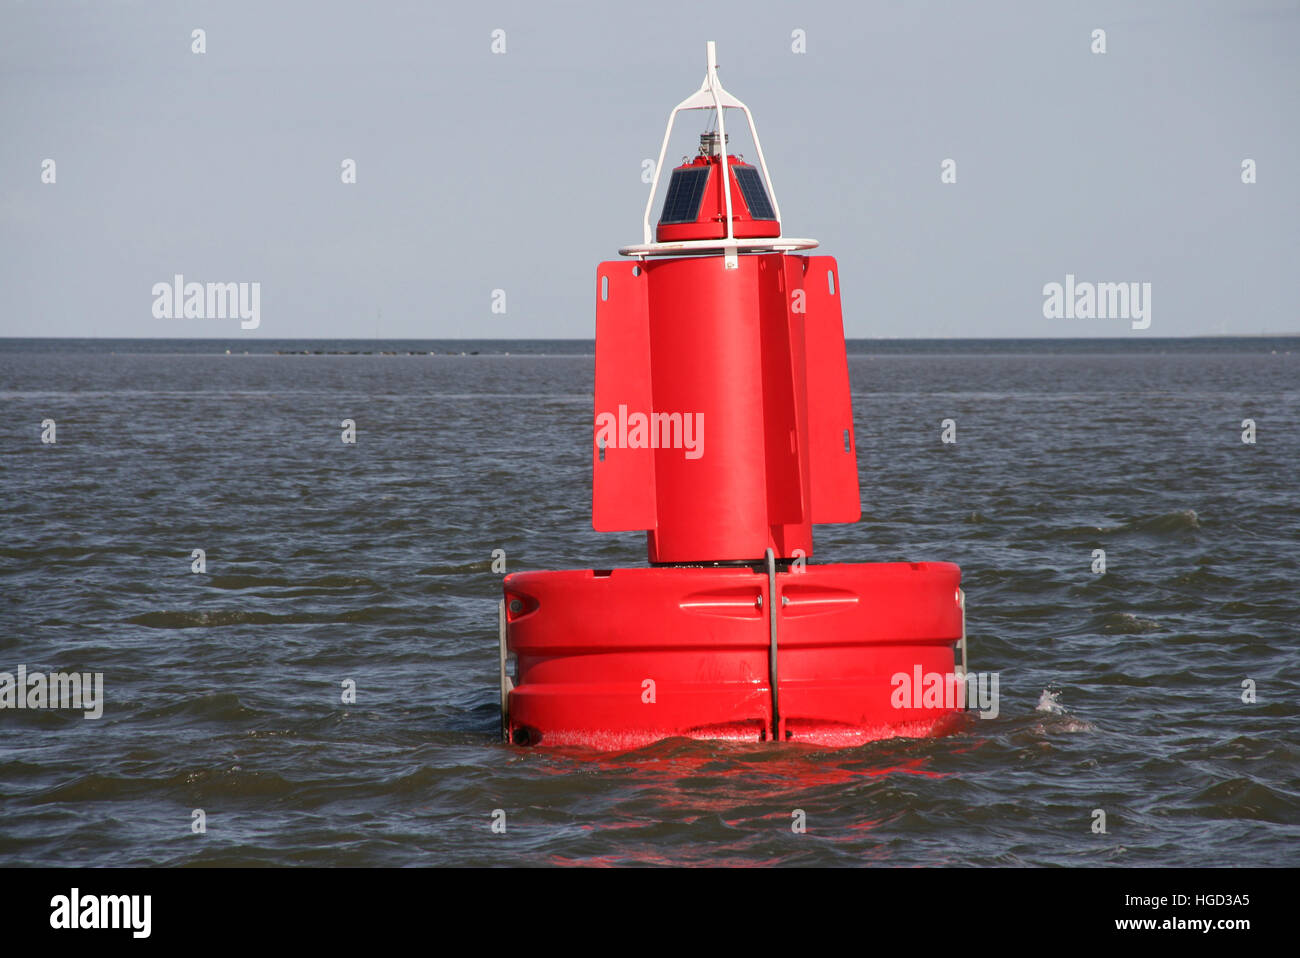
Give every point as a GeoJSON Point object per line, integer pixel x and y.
{"type": "Point", "coordinates": [751, 184]}
{"type": "Point", "coordinates": [685, 190]}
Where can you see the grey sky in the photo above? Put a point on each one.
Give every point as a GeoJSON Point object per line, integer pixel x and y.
{"type": "Point", "coordinates": [522, 171]}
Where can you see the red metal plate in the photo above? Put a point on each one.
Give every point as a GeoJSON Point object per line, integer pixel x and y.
{"type": "Point", "coordinates": [622, 483]}
{"type": "Point", "coordinates": [835, 493]}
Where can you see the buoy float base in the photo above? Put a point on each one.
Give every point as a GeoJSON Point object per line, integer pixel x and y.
{"type": "Point", "coordinates": [622, 658]}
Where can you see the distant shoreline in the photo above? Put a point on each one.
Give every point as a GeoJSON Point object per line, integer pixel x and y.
{"type": "Point", "coordinates": [1119, 345]}
{"type": "Point", "coordinates": [563, 339]}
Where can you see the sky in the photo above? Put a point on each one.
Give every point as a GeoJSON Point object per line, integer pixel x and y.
{"type": "Point", "coordinates": [519, 171]}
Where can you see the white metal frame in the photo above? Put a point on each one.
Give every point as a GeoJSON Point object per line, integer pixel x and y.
{"type": "Point", "coordinates": [961, 601]}
{"type": "Point", "coordinates": [711, 96]}
{"type": "Point", "coordinates": [507, 685]}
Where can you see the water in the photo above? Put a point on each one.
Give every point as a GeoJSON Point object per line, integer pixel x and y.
{"type": "Point", "coordinates": [372, 563]}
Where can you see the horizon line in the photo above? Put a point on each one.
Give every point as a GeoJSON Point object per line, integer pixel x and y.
{"type": "Point", "coordinates": [580, 339]}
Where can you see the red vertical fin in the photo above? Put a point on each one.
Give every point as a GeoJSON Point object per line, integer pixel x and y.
{"type": "Point", "coordinates": [833, 450]}
{"type": "Point", "coordinates": [793, 536]}
{"type": "Point", "coordinates": [782, 396]}
{"type": "Point", "coordinates": [622, 480]}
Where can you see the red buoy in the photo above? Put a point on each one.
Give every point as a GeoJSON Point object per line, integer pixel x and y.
{"type": "Point", "coordinates": [723, 428]}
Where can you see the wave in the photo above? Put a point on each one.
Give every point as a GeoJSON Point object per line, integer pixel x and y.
{"type": "Point", "coordinates": [1168, 523]}
{"type": "Point", "coordinates": [174, 619]}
